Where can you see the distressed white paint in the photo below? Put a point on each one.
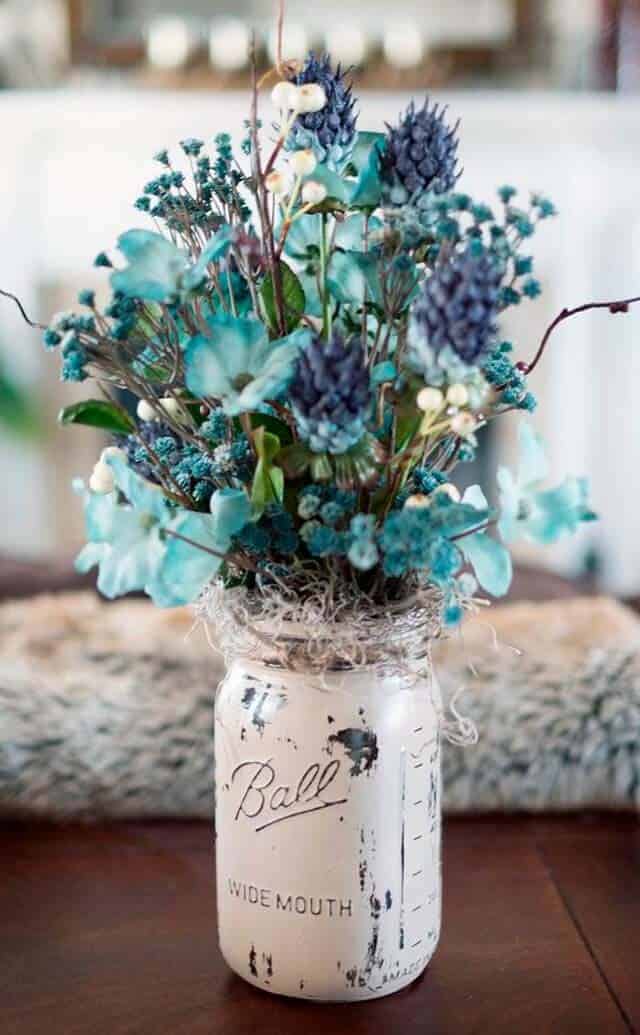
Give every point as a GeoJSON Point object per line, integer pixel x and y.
{"type": "Point", "coordinates": [328, 831]}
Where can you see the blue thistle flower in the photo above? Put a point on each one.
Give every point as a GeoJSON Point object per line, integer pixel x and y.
{"type": "Point", "coordinates": [419, 155]}
{"type": "Point", "coordinates": [458, 306]}
{"type": "Point", "coordinates": [330, 394]}
{"type": "Point", "coordinates": [331, 132]}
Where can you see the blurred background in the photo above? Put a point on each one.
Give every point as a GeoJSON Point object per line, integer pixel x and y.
{"type": "Point", "coordinates": [547, 92]}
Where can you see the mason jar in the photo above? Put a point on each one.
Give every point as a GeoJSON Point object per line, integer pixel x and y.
{"type": "Point", "coordinates": [328, 825]}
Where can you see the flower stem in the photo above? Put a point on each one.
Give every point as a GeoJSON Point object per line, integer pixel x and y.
{"type": "Point", "coordinates": [326, 304]}
{"type": "Point", "coordinates": [243, 563]}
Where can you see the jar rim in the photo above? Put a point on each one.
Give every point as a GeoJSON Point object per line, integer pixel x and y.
{"type": "Point", "coordinates": [396, 636]}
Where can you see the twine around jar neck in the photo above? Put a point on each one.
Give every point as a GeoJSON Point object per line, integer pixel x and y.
{"type": "Point", "coordinates": [322, 637]}
{"type": "Point", "coordinates": [323, 633]}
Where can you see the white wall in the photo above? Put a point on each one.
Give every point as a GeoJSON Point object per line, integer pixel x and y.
{"type": "Point", "coordinates": [74, 162]}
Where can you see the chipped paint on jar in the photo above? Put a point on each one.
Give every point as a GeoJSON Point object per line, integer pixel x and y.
{"type": "Point", "coordinates": [328, 830]}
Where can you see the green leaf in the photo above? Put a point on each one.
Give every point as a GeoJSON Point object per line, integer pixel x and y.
{"type": "Point", "coordinates": [321, 467]}
{"type": "Point", "coordinates": [293, 299]}
{"type": "Point", "coordinates": [17, 414]}
{"type": "Point", "coordinates": [295, 459]}
{"type": "Point", "coordinates": [273, 425]}
{"type": "Point", "coordinates": [98, 413]}
{"type": "Point", "coordinates": [268, 480]}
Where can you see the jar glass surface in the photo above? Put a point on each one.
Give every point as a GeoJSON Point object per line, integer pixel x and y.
{"type": "Point", "coordinates": [328, 828]}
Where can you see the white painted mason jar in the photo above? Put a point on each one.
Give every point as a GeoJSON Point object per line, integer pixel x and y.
{"type": "Point", "coordinates": [328, 826]}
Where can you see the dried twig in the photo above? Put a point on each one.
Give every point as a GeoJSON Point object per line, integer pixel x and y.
{"type": "Point", "coordinates": [32, 323]}
{"type": "Point", "coordinates": [620, 306]}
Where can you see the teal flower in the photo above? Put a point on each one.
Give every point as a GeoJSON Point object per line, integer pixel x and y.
{"type": "Point", "coordinates": [539, 515]}
{"type": "Point", "coordinates": [490, 560]}
{"type": "Point", "coordinates": [187, 567]}
{"type": "Point", "coordinates": [124, 538]}
{"type": "Point", "coordinates": [236, 363]}
{"type": "Point", "coordinates": [214, 250]}
{"type": "Point", "coordinates": [156, 267]}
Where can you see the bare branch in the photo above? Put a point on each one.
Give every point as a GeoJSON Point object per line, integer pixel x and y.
{"type": "Point", "coordinates": [32, 323]}
{"type": "Point", "coordinates": [620, 306]}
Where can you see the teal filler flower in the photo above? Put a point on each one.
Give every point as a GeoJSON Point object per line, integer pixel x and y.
{"type": "Point", "coordinates": [196, 545]}
{"type": "Point", "coordinates": [124, 538]}
{"type": "Point", "coordinates": [490, 560]}
{"type": "Point", "coordinates": [236, 363]}
{"type": "Point", "coordinates": [526, 511]}
{"type": "Point", "coordinates": [136, 546]}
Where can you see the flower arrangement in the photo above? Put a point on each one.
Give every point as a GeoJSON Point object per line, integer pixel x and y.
{"type": "Point", "coordinates": [311, 335]}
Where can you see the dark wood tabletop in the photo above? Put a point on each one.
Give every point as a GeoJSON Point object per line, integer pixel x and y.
{"type": "Point", "coordinates": [112, 931]}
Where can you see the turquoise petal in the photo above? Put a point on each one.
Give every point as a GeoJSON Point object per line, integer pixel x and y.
{"type": "Point", "coordinates": [123, 571]}
{"type": "Point", "coordinates": [238, 365]}
{"type": "Point", "coordinates": [214, 250]}
{"type": "Point", "coordinates": [142, 494]}
{"type": "Point", "coordinates": [475, 497]}
{"type": "Point", "coordinates": [90, 555]}
{"type": "Point", "coordinates": [155, 267]}
{"type": "Point", "coordinates": [351, 274]}
{"type": "Point", "coordinates": [385, 371]}
{"type": "Point", "coordinates": [490, 560]}
{"type": "Point", "coordinates": [558, 510]}
{"type": "Point", "coordinates": [532, 463]}
{"type": "Point", "coordinates": [368, 188]}
{"type": "Point", "coordinates": [230, 510]}
{"type": "Point", "coordinates": [186, 569]}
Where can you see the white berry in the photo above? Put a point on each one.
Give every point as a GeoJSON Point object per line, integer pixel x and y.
{"type": "Point", "coordinates": [311, 98]}
{"type": "Point", "coordinates": [450, 490]}
{"type": "Point", "coordinates": [463, 424]}
{"type": "Point", "coordinates": [171, 407]}
{"type": "Point", "coordinates": [146, 411]}
{"type": "Point", "coordinates": [102, 480]}
{"type": "Point", "coordinates": [457, 395]}
{"type": "Point", "coordinates": [113, 451]}
{"type": "Point", "coordinates": [429, 399]}
{"type": "Point", "coordinates": [276, 182]}
{"type": "Point", "coordinates": [417, 501]}
{"type": "Point", "coordinates": [285, 96]}
{"type": "Point", "coordinates": [303, 162]}
{"type": "Point", "coordinates": [313, 193]}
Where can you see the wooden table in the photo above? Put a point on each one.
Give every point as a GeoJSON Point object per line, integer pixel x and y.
{"type": "Point", "coordinates": [111, 931]}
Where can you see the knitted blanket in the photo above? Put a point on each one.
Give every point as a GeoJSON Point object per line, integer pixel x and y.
{"type": "Point", "coordinates": [107, 710]}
